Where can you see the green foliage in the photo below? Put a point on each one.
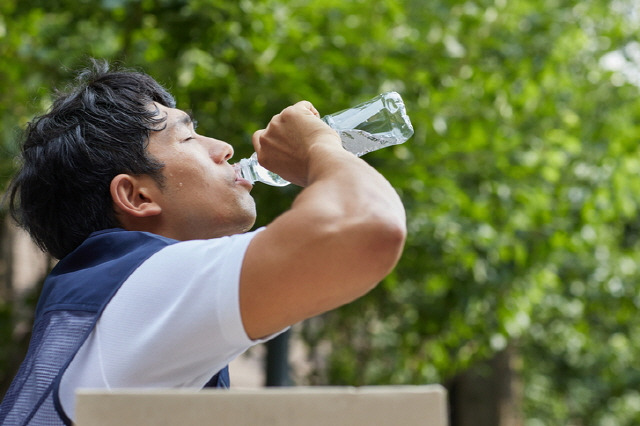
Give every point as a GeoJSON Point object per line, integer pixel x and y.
{"type": "Point", "coordinates": [521, 183]}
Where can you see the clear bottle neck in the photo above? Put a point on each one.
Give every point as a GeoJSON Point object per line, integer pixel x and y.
{"type": "Point", "coordinates": [252, 171]}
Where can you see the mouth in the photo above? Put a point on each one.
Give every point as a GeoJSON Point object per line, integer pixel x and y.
{"type": "Point", "coordinates": [239, 179]}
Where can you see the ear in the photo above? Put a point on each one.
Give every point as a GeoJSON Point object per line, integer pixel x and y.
{"type": "Point", "coordinates": [135, 195]}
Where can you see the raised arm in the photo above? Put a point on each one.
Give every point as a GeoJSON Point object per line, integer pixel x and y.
{"type": "Point", "coordinates": [343, 234]}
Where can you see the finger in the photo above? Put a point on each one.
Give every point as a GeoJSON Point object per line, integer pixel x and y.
{"type": "Point", "coordinates": [255, 139]}
{"type": "Point", "coordinates": [309, 106]}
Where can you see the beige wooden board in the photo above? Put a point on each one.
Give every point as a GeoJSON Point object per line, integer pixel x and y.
{"type": "Point", "coordinates": [308, 406]}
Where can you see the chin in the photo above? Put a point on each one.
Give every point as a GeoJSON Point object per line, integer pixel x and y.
{"type": "Point", "coordinates": [248, 225]}
{"type": "Point", "coordinates": [243, 225]}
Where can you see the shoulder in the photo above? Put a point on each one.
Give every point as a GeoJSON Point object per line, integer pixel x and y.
{"type": "Point", "coordinates": [203, 250]}
{"type": "Point", "coordinates": [195, 262]}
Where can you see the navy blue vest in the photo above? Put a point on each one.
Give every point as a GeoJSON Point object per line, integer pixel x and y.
{"type": "Point", "coordinates": [73, 297]}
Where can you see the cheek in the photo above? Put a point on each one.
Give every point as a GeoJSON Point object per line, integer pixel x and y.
{"type": "Point", "coordinates": [185, 177]}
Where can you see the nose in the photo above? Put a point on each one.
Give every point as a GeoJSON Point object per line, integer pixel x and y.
{"type": "Point", "coordinates": [220, 151]}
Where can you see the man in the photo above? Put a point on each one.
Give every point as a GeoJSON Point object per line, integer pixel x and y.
{"type": "Point", "coordinates": [159, 282]}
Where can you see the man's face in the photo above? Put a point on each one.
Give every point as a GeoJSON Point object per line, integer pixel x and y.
{"type": "Point", "coordinates": [202, 195]}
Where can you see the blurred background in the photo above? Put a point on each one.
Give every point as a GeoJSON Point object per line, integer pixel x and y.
{"type": "Point", "coordinates": [517, 289]}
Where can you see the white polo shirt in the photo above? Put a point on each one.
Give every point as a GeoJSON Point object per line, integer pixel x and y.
{"type": "Point", "coordinates": [175, 322]}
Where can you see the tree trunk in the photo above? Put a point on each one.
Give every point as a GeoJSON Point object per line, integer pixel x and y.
{"type": "Point", "coordinates": [489, 394]}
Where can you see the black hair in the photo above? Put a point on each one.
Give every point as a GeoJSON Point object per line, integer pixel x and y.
{"type": "Point", "coordinates": [93, 131]}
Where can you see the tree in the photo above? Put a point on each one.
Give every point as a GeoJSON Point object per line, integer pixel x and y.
{"type": "Point", "coordinates": [521, 182]}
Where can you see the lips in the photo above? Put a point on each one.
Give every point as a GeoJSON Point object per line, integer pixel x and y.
{"type": "Point", "coordinates": [239, 178]}
{"type": "Point", "coordinates": [237, 171]}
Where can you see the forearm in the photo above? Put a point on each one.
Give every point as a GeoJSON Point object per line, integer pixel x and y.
{"type": "Point", "coordinates": [343, 187]}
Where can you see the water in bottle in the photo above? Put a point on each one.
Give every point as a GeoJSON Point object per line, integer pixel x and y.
{"type": "Point", "coordinates": [375, 124]}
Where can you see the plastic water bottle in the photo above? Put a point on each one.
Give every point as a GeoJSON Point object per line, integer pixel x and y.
{"type": "Point", "coordinates": [375, 124]}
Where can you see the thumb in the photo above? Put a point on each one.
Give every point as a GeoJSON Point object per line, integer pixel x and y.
{"type": "Point", "coordinates": [255, 139]}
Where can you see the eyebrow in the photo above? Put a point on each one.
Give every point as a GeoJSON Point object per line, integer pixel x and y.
{"type": "Point", "coordinates": [187, 119]}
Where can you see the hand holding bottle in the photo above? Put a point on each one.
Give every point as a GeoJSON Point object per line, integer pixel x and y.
{"type": "Point", "coordinates": [286, 144]}
{"type": "Point", "coordinates": [372, 125]}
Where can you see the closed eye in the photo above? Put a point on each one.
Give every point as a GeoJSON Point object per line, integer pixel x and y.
{"type": "Point", "coordinates": [194, 125]}
{"type": "Point", "coordinates": [186, 123]}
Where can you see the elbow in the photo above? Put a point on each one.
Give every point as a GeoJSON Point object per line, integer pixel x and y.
{"type": "Point", "coordinates": [384, 249]}
{"type": "Point", "coordinates": [391, 244]}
